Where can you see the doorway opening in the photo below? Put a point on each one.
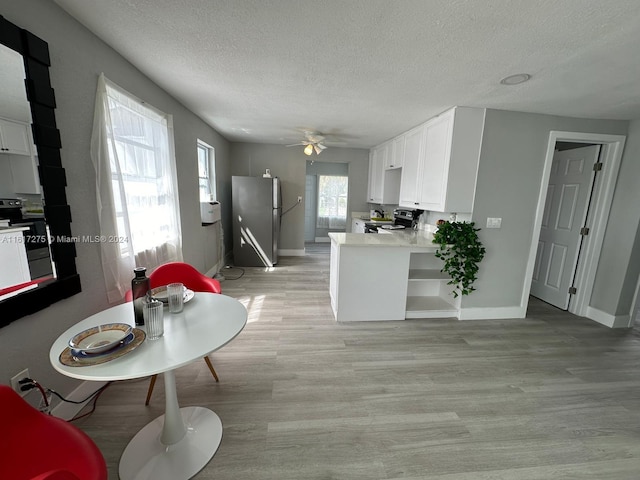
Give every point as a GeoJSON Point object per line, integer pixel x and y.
{"type": "Point", "coordinates": [325, 203]}
{"type": "Point", "coordinates": [572, 183]}
{"type": "Point", "coordinates": [583, 260]}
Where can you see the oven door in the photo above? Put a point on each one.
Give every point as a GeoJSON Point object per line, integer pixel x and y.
{"type": "Point", "coordinates": [36, 237]}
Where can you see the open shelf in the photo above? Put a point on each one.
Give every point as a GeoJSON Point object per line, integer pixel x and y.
{"type": "Point", "coordinates": [429, 307]}
{"type": "Point", "coordinates": [428, 295]}
{"type": "Point", "coordinates": [427, 274]}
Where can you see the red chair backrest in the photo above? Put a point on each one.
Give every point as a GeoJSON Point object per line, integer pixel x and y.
{"type": "Point", "coordinates": [33, 444]}
{"type": "Point", "coordinates": [185, 274]}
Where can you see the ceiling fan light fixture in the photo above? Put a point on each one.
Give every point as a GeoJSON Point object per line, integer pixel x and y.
{"type": "Point", "coordinates": [516, 79]}
{"type": "Point", "coordinates": [308, 150]}
{"type": "Point", "coordinates": [317, 149]}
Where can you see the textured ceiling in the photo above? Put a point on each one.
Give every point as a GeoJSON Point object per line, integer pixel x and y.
{"type": "Point", "coordinates": [367, 70]}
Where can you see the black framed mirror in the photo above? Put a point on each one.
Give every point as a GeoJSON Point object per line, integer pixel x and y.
{"type": "Point", "coordinates": [46, 137]}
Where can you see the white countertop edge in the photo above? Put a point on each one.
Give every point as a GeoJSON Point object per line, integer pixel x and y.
{"type": "Point", "coordinates": [419, 240]}
{"type": "Point", "coordinates": [12, 229]}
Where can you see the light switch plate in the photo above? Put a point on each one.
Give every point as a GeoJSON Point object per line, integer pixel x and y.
{"type": "Point", "coordinates": [494, 222]}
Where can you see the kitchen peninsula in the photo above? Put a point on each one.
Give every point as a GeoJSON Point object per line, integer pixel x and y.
{"type": "Point", "coordinates": [13, 257]}
{"type": "Point", "coordinates": [388, 277]}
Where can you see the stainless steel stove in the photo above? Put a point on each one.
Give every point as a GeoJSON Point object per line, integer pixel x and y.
{"type": "Point", "coordinates": [402, 219]}
{"type": "Point", "coordinates": [36, 238]}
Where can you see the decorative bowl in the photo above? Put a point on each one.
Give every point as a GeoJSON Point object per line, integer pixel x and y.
{"type": "Point", "coordinates": [101, 338]}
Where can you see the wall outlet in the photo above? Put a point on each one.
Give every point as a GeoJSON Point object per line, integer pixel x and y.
{"type": "Point", "coordinates": [299, 198]}
{"type": "Point", "coordinates": [494, 222]}
{"type": "Point", "coordinates": [16, 379]}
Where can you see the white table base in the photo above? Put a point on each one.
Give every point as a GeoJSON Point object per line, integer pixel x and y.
{"type": "Point", "coordinates": [146, 457]}
{"type": "Point", "coordinates": [174, 446]}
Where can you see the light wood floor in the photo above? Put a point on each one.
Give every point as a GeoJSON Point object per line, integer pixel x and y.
{"type": "Point", "coordinates": [552, 396]}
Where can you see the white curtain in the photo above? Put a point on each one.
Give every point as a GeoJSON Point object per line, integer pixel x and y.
{"type": "Point", "coordinates": [332, 201]}
{"type": "Point", "coordinates": [133, 155]}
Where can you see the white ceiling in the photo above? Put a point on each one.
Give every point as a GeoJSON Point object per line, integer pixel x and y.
{"type": "Point", "coordinates": [367, 70]}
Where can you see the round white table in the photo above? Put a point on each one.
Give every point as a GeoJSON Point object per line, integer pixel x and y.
{"type": "Point", "coordinates": [178, 444]}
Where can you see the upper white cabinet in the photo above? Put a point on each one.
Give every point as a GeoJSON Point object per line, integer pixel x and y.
{"type": "Point", "coordinates": [441, 162]}
{"type": "Point", "coordinates": [14, 138]}
{"type": "Point", "coordinates": [15, 142]}
{"type": "Point", "coordinates": [413, 145]}
{"type": "Point", "coordinates": [25, 175]}
{"type": "Point", "coordinates": [396, 158]}
{"type": "Point", "coordinates": [384, 184]}
{"type": "Point", "coordinates": [376, 175]}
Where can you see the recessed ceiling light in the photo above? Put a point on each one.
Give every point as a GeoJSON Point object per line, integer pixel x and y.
{"type": "Point", "coordinates": [516, 79]}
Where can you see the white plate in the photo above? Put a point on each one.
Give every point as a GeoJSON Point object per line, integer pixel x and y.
{"type": "Point", "coordinates": [101, 338]}
{"type": "Point", "coordinates": [160, 293]}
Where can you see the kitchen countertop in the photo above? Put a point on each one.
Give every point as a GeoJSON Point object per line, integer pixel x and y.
{"type": "Point", "coordinates": [13, 229]}
{"type": "Point", "coordinates": [421, 240]}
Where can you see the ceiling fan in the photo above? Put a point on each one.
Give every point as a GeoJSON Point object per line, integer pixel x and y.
{"type": "Point", "coordinates": [313, 142]}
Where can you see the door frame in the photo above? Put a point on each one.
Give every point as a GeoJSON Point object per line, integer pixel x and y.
{"type": "Point", "coordinates": [611, 153]}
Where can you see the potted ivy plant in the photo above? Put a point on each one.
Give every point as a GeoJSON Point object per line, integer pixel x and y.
{"type": "Point", "coordinates": [461, 250]}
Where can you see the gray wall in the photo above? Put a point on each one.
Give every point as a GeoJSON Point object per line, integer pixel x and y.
{"type": "Point", "coordinates": [77, 58]}
{"type": "Point", "coordinates": [290, 164]}
{"type": "Point", "coordinates": [619, 265]}
{"type": "Point", "coordinates": [509, 175]}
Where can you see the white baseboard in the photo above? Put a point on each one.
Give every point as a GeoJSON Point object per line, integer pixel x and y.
{"type": "Point", "coordinates": [66, 410]}
{"type": "Point", "coordinates": [608, 320]}
{"type": "Point", "coordinates": [322, 240]}
{"type": "Point", "coordinates": [212, 271]}
{"type": "Point", "coordinates": [488, 313]}
{"type": "Point", "coordinates": [291, 253]}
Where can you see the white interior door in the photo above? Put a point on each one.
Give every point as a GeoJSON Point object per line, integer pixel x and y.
{"type": "Point", "coordinates": [565, 212]}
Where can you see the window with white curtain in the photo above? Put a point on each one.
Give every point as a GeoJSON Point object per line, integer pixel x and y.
{"type": "Point", "coordinates": [206, 172]}
{"type": "Point", "coordinates": [332, 201]}
{"type": "Point", "coordinates": [132, 152]}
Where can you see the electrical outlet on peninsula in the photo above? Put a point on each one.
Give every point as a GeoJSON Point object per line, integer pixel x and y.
{"type": "Point", "coordinates": [16, 379]}
{"type": "Point", "coordinates": [494, 222]}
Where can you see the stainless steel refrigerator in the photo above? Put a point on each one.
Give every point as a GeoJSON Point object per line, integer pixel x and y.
{"type": "Point", "coordinates": [257, 208]}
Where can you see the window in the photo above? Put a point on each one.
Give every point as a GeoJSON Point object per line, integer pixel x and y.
{"type": "Point", "coordinates": [206, 172]}
{"type": "Point", "coordinates": [332, 201]}
{"type": "Point", "coordinates": [132, 152]}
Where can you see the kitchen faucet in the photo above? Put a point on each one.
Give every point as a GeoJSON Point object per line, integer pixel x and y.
{"type": "Point", "coordinates": [380, 212]}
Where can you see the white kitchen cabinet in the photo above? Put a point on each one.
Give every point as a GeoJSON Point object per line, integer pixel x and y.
{"type": "Point", "coordinates": [357, 225]}
{"type": "Point", "coordinates": [24, 171]}
{"type": "Point", "coordinates": [14, 138]}
{"type": "Point", "coordinates": [395, 158]}
{"type": "Point", "coordinates": [389, 158]}
{"type": "Point", "coordinates": [413, 146]}
{"type": "Point", "coordinates": [13, 257]}
{"type": "Point", "coordinates": [363, 282]}
{"type": "Point", "coordinates": [441, 162]}
{"type": "Point", "coordinates": [376, 175]}
{"type": "Point", "coordinates": [402, 265]}
{"type": "Point", "coordinates": [384, 185]}
{"type": "Point", "coordinates": [15, 142]}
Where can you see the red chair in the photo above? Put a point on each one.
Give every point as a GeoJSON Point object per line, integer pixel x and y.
{"type": "Point", "coordinates": [36, 446]}
{"type": "Point", "coordinates": [190, 278]}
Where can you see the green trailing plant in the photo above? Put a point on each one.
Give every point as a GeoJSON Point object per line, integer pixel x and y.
{"type": "Point", "coordinates": [461, 250]}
